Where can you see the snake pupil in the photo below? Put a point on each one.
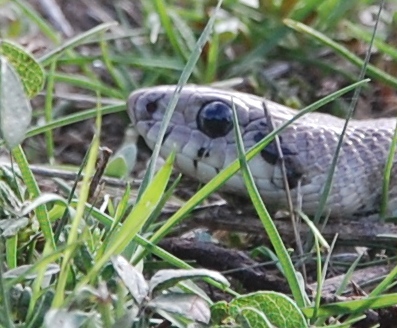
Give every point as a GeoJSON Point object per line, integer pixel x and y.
{"type": "Point", "coordinates": [215, 119]}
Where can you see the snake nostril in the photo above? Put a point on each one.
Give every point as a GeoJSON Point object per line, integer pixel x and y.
{"type": "Point", "coordinates": [151, 107]}
{"type": "Point", "coordinates": [215, 119]}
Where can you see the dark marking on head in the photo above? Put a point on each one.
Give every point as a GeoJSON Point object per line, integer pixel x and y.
{"type": "Point", "coordinates": [166, 135]}
{"type": "Point", "coordinates": [294, 171]}
{"type": "Point", "coordinates": [195, 164]}
{"type": "Point", "coordinates": [203, 153]}
{"type": "Point", "coordinates": [270, 153]}
{"type": "Point", "coordinates": [259, 136]}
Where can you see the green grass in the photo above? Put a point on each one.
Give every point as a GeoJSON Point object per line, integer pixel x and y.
{"type": "Point", "coordinates": [62, 251]}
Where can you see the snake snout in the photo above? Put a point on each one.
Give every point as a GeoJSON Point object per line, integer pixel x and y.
{"type": "Point", "coordinates": [141, 106]}
{"type": "Point", "coordinates": [131, 105]}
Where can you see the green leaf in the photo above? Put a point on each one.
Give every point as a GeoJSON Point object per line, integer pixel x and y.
{"type": "Point", "coordinates": [281, 311]}
{"type": "Point", "coordinates": [123, 162]}
{"type": "Point", "coordinates": [15, 110]}
{"type": "Point", "coordinates": [44, 199]}
{"type": "Point", "coordinates": [12, 226]}
{"type": "Point", "coordinates": [29, 70]}
{"type": "Point", "coordinates": [25, 270]}
{"type": "Point", "coordinates": [132, 278]}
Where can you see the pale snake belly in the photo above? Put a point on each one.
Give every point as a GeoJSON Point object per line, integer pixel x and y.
{"type": "Point", "coordinates": [201, 133]}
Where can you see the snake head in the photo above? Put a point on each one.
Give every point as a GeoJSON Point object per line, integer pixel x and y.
{"type": "Point", "coordinates": [201, 132]}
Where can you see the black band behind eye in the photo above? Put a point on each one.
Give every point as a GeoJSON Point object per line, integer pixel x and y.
{"type": "Point", "coordinates": [215, 119]}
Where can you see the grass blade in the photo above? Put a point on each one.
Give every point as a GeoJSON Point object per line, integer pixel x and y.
{"type": "Point", "coordinates": [74, 118]}
{"type": "Point", "coordinates": [270, 228]}
{"type": "Point", "coordinates": [371, 70]}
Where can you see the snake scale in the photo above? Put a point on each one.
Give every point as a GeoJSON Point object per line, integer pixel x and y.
{"type": "Point", "coordinates": [201, 133]}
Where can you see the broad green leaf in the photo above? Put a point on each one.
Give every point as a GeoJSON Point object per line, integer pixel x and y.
{"type": "Point", "coordinates": [281, 311]}
{"type": "Point", "coordinates": [29, 70]}
{"type": "Point", "coordinates": [219, 312]}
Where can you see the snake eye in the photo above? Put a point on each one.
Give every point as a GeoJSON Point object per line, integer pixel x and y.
{"type": "Point", "coordinates": [215, 119]}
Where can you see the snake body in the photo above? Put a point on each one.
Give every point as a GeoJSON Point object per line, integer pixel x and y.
{"type": "Point", "coordinates": [201, 133]}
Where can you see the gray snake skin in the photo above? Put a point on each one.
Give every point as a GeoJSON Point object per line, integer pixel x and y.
{"type": "Point", "coordinates": [201, 132]}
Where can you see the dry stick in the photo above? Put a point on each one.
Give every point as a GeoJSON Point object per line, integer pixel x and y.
{"type": "Point", "coordinates": [102, 161]}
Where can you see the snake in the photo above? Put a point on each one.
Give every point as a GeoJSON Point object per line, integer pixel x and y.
{"type": "Point", "coordinates": [201, 134]}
